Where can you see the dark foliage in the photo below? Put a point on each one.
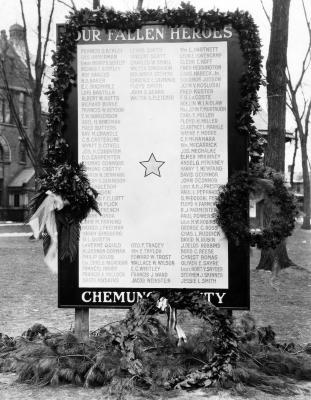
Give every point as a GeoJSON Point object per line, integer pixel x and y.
{"type": "Point", "coordinates": [232, 205]}
{"type": "Point", "coordinates": [139, 353]}
{"type": "Point", "coordinates": [71, 183]}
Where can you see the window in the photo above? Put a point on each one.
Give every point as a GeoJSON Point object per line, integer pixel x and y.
{"type": "Point", "coordinates": [16, 200]}
{"type": "Point", "coordinates": [5, 114]}
{"type": "Point", "coordinates": [2, 109]}
{"type": "Point", "coordinates": [1, 166]}
{"type": "Point", "coordinates": [7, 117]}
{"type": "Point", "coordinates": [22, 112]}
{"type": "Point", "coordinates": [22, 152]}
{"type": "Point", "coordinates": [20, 103]}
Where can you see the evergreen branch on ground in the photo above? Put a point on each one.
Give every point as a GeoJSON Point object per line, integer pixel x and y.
{"type": "Point", "coordinates": [138, 353]}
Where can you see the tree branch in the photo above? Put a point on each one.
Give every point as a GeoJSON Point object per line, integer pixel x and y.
{"type": "Point", "coordinates": [290, 107]}
{"type": "Point", "coordinates": [304, 106]}
{"type": "Point", "coordinates": [38, 62]}
{"type": "Point", "coordinates": [48, 30]}
{"type": "Point", "coordinates": [265, 11]}
{"type": "Point", "coordinates": [307, 120]}
{"type": "Point", "coordinates": [28, 63]}
{"type": "Point", "coordinates": [72, 7]}
{"type": "Point", "coordinates": [306, 18]}
{"type": "Point", "coordinates": [306, 62]}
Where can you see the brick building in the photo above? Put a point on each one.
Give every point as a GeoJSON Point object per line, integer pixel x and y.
{"type": "Point", "coordinates": [16, 171]}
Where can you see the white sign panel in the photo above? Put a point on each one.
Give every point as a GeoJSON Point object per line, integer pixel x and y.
{"type": "Point", "coordinates": [153, 136]}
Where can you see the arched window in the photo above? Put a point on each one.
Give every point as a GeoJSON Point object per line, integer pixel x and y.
{"type": "Point", "coordinates": [6, 151]}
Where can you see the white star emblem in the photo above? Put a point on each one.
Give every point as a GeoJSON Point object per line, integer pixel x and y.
{"type": "Point", "coordinates": [152, 166]}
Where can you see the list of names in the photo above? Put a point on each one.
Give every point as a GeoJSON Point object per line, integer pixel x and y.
{"type": "Point", "coordinates": [153, 136]}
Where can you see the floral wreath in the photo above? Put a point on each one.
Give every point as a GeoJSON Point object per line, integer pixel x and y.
{"type": "Point", "coordinates": [232, 205]}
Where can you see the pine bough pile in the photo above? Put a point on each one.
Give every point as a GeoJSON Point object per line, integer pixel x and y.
{"type": "Point", "coordinates": [139, 353]}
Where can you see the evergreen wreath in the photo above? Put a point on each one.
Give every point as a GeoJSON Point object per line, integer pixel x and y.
{"type": "Point", "coordinates": [232, 206]}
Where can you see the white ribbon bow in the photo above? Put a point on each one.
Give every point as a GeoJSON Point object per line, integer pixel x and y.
{"type": "Point", "coordinates": [44, 217]}
{"type": "Point", "coordinates": [172, 324]}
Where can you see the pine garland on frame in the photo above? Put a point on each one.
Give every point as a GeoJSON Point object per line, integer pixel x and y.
{"type": "Point", "coordinates": [67, 178]}
{"type": "Point", "coordinates": [65, 77]}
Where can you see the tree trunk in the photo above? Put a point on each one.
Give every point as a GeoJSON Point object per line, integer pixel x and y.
{"type": "Point", "coordinates": [268, 257]}
{"type": "Point", "coordinates": [306, 185]}
{"type": "Point", "coordinates": [276, 89]}
{"type": "Point", "coordinates": [292, 170]}
{"type": "Point", "coordinates": [276, 93]}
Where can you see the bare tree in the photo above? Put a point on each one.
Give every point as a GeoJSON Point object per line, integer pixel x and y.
{"type": "Point", "coordinates": [274, 259]}
{"type": "Point", "coordinates": [34, 75]}
{"type": "Point", "coordinates": [302, 118]}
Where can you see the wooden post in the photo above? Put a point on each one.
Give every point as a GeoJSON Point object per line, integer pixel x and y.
{"type": "Point", "coordinates": [82, 323]}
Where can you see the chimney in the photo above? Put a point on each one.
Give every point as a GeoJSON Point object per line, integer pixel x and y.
{"type": "Point", "coordinates": [3, 35]}
{"type": "Point", "coordinates": [3, 42]}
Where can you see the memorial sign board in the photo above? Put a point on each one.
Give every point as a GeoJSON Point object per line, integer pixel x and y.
{"type": "Point", "coordinates": [153, 119]}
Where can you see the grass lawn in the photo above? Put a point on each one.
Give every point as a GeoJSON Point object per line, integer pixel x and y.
{"type": "Point", "coordinates": [28, 294]}
{"type": "Point", "coordinates": [29, 291]}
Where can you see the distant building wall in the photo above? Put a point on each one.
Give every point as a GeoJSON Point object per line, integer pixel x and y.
{"type": "Point", "coordinates": [14, 161]}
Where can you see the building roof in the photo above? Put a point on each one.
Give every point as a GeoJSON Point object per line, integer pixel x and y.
{"type": "Point", "coordinates": [14, 64]}
{"type": "Point", "coordinates": [22, 178]}
{"type": "Point", "coordinates": [16, 27]}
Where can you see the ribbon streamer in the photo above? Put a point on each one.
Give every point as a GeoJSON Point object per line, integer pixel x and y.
{"type": "Point", "coordinates": [172, 324]}
{"type": "Point", "coordinates": [44, 219]}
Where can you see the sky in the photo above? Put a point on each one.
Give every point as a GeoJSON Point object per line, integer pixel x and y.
{"type": "Point", "coordinates": [298, 35]}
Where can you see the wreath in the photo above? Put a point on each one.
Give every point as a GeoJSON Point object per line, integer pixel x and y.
{"type": "Point", "coordinates": [279, 208]}
{"type": "Point", "coordinates": [220, 367]}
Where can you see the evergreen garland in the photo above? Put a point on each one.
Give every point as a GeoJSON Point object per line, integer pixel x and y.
{"type": "Point", "coordinates": [65, 77]}
{"type": "Point", "coordinates": [62, 174]}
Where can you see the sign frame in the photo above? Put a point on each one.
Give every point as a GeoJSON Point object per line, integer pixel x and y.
{"type": "Point", "coordinates": [238, 294]}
